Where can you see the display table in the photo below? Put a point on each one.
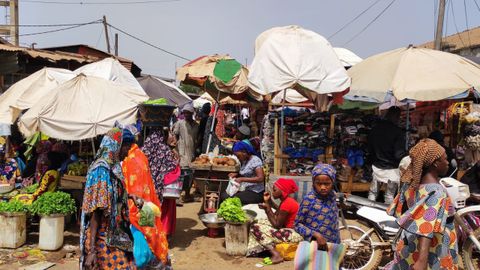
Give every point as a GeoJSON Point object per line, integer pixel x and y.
{"type": "Point", "coordinates": [211, 181]}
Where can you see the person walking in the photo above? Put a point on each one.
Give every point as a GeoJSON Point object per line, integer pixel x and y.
{"type": "Point", "coordinates": [186, 131]}
{"type": "Point", "coordinates": [427, 238]}
{"type": "Point", "coordinates": [386, 143]}
{"type": "Point", "coordinates": [105, 238]}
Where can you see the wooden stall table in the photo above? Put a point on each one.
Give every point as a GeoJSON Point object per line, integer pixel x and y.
{"type": "Point", "coordinates": [211, 181]}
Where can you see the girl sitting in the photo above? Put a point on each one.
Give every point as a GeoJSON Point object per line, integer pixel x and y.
{"type": "Point", "coordinates": [265, 234]}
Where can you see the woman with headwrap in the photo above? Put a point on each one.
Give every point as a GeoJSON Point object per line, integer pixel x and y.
{"type": "Point", "coordinates": [317, 218]}
{"type": "Point", "coordinates": [165, 168]}
{"type": "Point", "coordinates": [105, 237]}
{"type": "Point", "coordinates": [145, 227]}
{"type": "Point", "coordinates": [9, 169]}
{"type": "Point", "coordinates": [43, 148]}
{"type": "Point", "coordinates": [427, 239]}
{"type": "Point", "coordinates": [250, 177]}
{"type": "Point", "coordinates": [265, 234]}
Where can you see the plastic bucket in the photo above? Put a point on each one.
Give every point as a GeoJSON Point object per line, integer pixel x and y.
{"type": "Point", "coordinates": [51, 232]}
{"type": "Point", "coordinates": [13, 230]}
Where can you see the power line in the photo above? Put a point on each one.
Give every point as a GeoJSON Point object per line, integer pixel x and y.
{"type": "Point", "coordinates": [97, 3]}
{"type": "Point", "coordinates": [354, 19]}
{"type": "Point", "coordinates": [476, 4]}
{"type": "Point", "coordinates": [466, 22]}
{"type": "Point", "coordinates": [48, 25]}
{"type": "Point", "coordinates": [455, 23]}
{"type": "Point", "coordinates": [370, 23]}
{"type": "Point", "coordinates": [148, 43]}
{"type": "Point", "coordinates": [58, 30]}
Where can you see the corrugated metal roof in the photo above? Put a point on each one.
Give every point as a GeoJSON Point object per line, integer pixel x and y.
{"type": "Point", "coordinates": [51, 56]}
{"type": "Point", "coordinates": [453, 43]}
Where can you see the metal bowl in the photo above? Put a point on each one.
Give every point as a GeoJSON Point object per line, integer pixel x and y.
{"type": "Point", "coordinates": [212, 221]}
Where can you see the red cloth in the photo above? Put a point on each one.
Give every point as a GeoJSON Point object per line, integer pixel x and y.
{"type": "Point", "coordinates": [287, 186]}
{"type": "Point", "coordinates": [172, 176]}
{"type": "Point", "coordinates": [290, 206]}
{"type": "Point", "coordinates": [169, 215]}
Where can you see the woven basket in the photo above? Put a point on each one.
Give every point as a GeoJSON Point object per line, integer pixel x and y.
{"type": "Point", "coordinates": [156, 115]}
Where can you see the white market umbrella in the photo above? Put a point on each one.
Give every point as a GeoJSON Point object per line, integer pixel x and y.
{"type": "Point", "coordinates": [25, 93]}
{"type": "Point", "coordinates": [417, 74]}
{"type": "Point", "coordinates": [293, 57]}
{"type": "Point", "coordinates": [157, 88]}
{"type": "Point", "coordinates": [82, 108]}
{"type": "Point", "coordinates": [347, 57]}
{"type": "Point", "coordinates": [110, 69]}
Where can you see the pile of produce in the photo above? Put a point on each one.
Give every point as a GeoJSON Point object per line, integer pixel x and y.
{"type": "Point", "coordinates": [77, 169]}
{"type": "Point", "coordinates": [231, 210]}
{"type": "Point", "coordinates": [224, 161]}
{"type": "Point", "coordinates": [160, 101]}
{"type": "Point", "coordinates": [472, 131]}
{"type": "Point", "coordinates": [148, 213]}
{"type": "Point", "coordinates": [53, 203]}
{"type": "Point", "coordinates": [202, 160]}
{"type": "Point", "coordinates": [13, 206]}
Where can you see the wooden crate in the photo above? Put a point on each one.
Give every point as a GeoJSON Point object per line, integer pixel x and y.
{"type": "Point", "coordinates": [203, 167]}
{"type": "Point", "coordinates": [72, 182]}
{"type": "Point", "coordinates": [220, 168]}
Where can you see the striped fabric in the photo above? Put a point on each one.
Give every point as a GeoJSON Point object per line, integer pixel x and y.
{"type": "Point", "coordinates": [308, 257]}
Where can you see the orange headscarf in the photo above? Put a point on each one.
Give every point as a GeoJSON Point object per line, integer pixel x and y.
{"type": "Point", "coordinates": [138, 182]}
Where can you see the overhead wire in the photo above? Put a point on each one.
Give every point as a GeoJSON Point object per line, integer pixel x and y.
{"type": "Point", "coordinates": [455, 23]}
{"type": "Point", "coordinates": [371, 22]}
{"type": "Point", "coordinates": [148, 43]}
{"type": "Point", "coordinates": [98, 3]}
{"type": "Point", "coordinates": [51, 25]}
{"type": "Point", "coordinates": [354, 19]}
{"type": "Point", "coordinates": [60, 29]}
{"type": "Point", "coordinates": [476, 4]}
{"type": "Point", "coordinates": [466, 22]}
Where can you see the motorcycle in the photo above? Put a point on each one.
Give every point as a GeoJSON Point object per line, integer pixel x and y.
{"type": "Point", "coordinates": [369, 232]}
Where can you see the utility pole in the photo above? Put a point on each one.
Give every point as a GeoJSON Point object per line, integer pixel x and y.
{"type": "Point", "coordinates": [116, 44]}
{"type": "Point", "coordinates": [12, 28]}
{"type": "Point", "coordinates": [439, 33]}
{"type": "Point", "coordinates": [105, 24]}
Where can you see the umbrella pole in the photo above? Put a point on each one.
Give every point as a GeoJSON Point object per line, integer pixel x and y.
{"type": "Point", "coordinates": [407, 126]}
{"type": "Point", "coordinates": [93, 147]}
{"type": "Point", "coordinates": [282, 124]}
{"type": "Point", "coordinates": [210, 134]}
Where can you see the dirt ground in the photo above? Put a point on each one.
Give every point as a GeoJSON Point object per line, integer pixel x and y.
{"type": "Point", "coordinates": [191, 249]}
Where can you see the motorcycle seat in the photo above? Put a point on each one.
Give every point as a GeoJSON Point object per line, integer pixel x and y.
{"type": "Point", "coordinates": [366, 202]}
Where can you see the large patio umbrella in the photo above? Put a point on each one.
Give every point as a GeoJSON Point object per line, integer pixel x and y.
{"type": "Point", "coordinates": [416, 74]}
{"type": "Point", "coordinates": [293, 57]}
{"type": "Point", "coordinates": [157, 88]}
{"type": "Point", "coordinates": [28, 91]}
{"type": "Point", "coordinates": [82, 108]}
{"type": "Point", "coordinates": [219, 75]}
{"type": "Point", "coordinates": [110, 69]}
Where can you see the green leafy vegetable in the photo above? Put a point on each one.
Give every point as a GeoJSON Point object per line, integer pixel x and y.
{"type": "Point", "coordinates": [13, 207]}
{"type": "Point", "coordinates": [147, 217]}
{"type": "Point", "coordinates": [160, 101]}
{"type": "Point", "coordinates": [51, 203]}
{"type": "Point", "coordinates": [31, 189]}
{"type": "Point", "coordinates": [231, 210]}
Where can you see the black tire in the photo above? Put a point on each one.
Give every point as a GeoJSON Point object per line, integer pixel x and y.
{"type": "Point", "coordinates": [364, 257]}
{"type": "Point", "coordinates": [470, 255]}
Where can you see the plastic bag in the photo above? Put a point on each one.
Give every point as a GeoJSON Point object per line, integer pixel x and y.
{"type": "Point", "coordinates": [141, 251]}
{"type": "Point", "coordinates": [233, 187]}
{"type": "Point", "coordinates": [287, 250]}
{"type": "Point", "coordinates": [309, 257]}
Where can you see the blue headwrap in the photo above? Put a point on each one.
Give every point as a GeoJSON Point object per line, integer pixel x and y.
{"type": "Point", "coordinates": [325, 169]}
{"type": "Point", "coordinates": [127, 136]}
{"type": "Point", "coordinates": [243, 146]}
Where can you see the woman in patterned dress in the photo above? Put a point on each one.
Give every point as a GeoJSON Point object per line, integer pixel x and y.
{"type": "Point", "coordinates": [317, 218]}
{"type": "Point", "coordinates": [105, 237]}
{"type": "Point", "coordinates": [427, 239]}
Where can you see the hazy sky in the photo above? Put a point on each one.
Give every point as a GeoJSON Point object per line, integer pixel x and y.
{"type": "Point", "coordinates": [192, 28]}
